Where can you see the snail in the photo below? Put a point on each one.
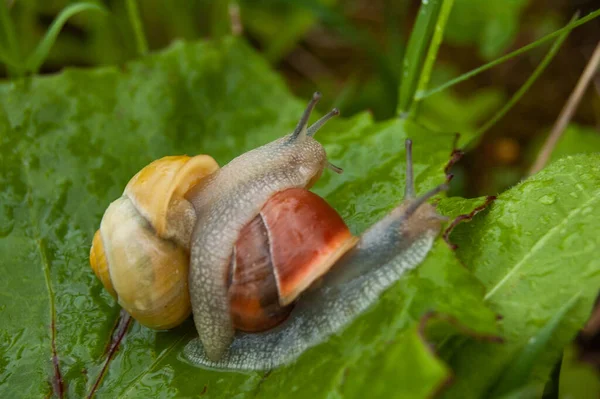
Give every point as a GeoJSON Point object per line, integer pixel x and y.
{"type": "Point", "coordinates": [273, 269]}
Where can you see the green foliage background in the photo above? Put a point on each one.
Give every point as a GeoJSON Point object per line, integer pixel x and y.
{"type": "Point", "coordinates": [71, 140]}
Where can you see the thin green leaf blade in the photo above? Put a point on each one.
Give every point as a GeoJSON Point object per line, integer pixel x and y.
{"type": "Point", "coordinates": [416, 51]}
{"type": "Point", "coordinates": [528, 83]}
{"type": "Point", "coordinates": [9, 48]}
{"type": "Point", "coordinates": [35, 60]}
{"type": "Point", "coordinates": [572, 25]}
{"type": "Point", "coordinates": [436, 41]}
{"type": "Point", "coordinates": [137, 26]}
{"type": "Point", "coordinates": [518, 371]}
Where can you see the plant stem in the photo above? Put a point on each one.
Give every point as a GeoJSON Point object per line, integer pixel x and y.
{"type": "Point", "coordinates": [567, 112]}
{"type": "Point", "coordinates": [138, 29]}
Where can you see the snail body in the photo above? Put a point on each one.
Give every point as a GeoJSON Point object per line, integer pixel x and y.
{"type": "Point", "coordinates": [257, 240]}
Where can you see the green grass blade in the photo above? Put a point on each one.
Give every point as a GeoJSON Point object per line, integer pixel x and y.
{"type": "Point", "coordinates": [434, 47]}
{"type": "Point", "coordinates": [530, 81]}
{"type": "Point", "coordinates": [133, 12]}
{"type": "Point", "coordinates": [517, 372]}
{"type": "Point", "coordinates": [567, 28]}
{"type": "Point", "coordinates": [9, 49]}
{"type": "Point", "coordinates": [35, 60]}
{"type": "Point", "coordinates": [418, 43]}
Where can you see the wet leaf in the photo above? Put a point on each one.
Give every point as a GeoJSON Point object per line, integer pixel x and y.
{"type": "Point", "coordinates": [517, 372]}
{"type": "Point", "coordinates": [534, 249]}
{"type": "Point", "coordinates": [69, 144]}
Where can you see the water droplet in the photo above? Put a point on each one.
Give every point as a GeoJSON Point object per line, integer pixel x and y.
{"type": "Point", "coordinates": [574, 194]}
{"type": "Point", "coordinates": [547, 199]}
{"type": "Point", "coordinates": [570, 241]}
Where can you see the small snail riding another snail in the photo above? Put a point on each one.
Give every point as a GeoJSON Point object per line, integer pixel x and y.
{"type": "Point", "coordinates": [273, 269]}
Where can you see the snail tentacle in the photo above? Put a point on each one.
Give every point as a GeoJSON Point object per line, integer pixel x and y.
{"type": "Point", "coordinates": [314, 128]}
{"type": "Point", "coordinates": [301, 127]}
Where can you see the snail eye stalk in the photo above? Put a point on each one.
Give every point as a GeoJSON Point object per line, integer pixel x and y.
{"type": "Point", "coordinates": [303, 122]}
{"type": "Point", "coordinates": [314, 128]}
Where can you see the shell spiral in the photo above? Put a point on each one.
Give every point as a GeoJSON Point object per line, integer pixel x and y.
{"type": "Point", "coordinates": [141, 251]}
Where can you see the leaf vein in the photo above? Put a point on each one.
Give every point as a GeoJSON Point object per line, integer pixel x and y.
{"type": "Point", "coordinates": [539, 244]}
{"type": "Point", "coordinates": [39, 243]}
{"type": "Point", "coordinates": [151, 366]}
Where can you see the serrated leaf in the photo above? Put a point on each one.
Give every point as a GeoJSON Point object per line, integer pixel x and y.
{"type": "Point", "coordinates": [69, 144]}
{"type": "Point", "coordinates": [533, 250]}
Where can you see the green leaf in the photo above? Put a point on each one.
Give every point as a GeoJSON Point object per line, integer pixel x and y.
{"type": "Point", "coordinates": [69, 144]}
{"type": "Point", "coordinates": [533, 250]}
{"type": "Point", "coordinates": [517, 372]}
{"type": "Point", "coordinates": [387, 343]}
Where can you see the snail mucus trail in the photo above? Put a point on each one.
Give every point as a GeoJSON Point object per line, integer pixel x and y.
{"type": "Point", "coordinates": [259, 242]}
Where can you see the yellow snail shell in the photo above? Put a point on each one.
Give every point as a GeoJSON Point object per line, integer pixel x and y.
{"type": "Point", "coordinates": [146, 232]}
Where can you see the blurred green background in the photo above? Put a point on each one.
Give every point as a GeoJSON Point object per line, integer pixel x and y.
{"type": "Point", "coordinates": [351, 50]}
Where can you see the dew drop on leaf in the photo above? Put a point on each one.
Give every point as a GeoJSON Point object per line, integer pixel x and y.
{"type": "Point", "coordinates": [547, 199]}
